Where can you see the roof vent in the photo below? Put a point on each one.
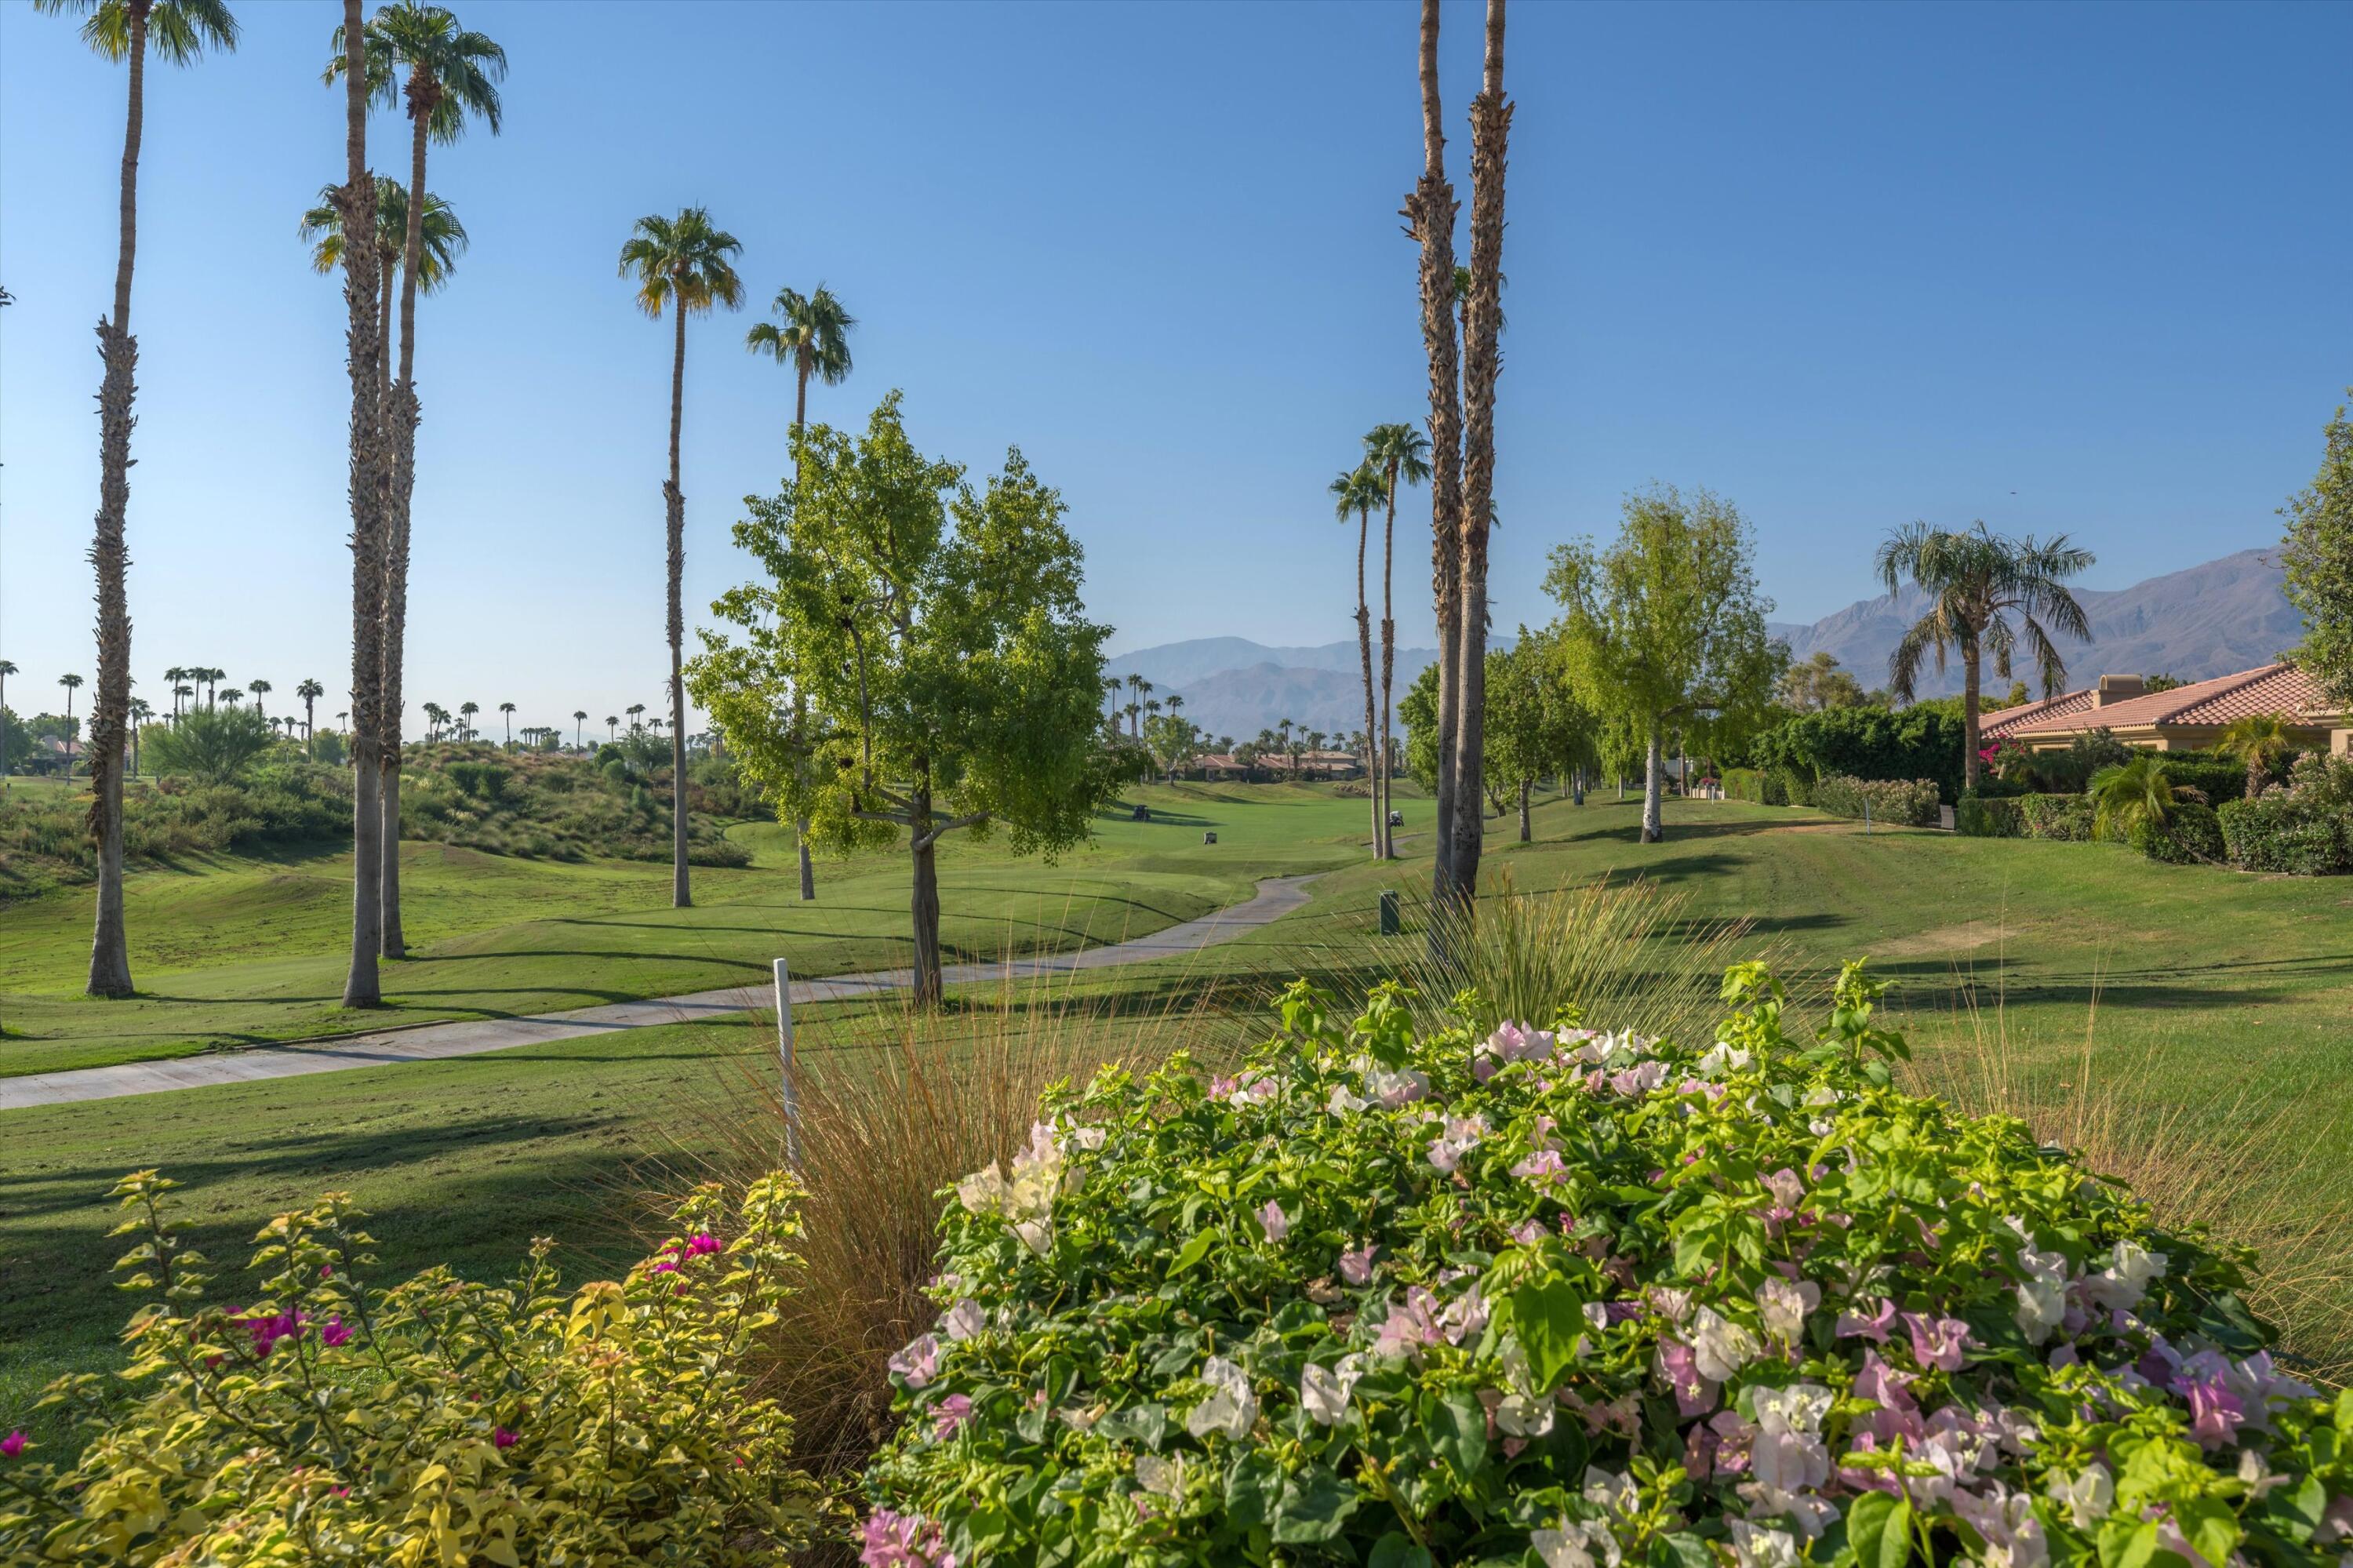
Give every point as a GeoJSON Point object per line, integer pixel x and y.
{"type": "Point", "coordinates": [2118, 689]}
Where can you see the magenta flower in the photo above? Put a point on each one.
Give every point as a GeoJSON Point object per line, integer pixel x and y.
{"type": "Point", "coordinates": [1853, 1325]}
{"type": "Point", "coordinates": [950, 1414]}
{"type": "Point", "coordinates": [1694, 1395]}
{"type": "Point", "coordinates": [334, 1334]}
{"type": "Point", "coordinates": [1936, 1342]}
{"type": "Point", "coordinates": [1356, 1268]}
{"type": "Point", "coordinates": [701, 1246]}
{"type": "Point", "coordinates": [503, 1438]}
{"type": "Point", "coordinates": [1543, 1168]}
{"type": "Point", "coordinates": [12, 1445]}
{"type": "Point", "coordinates": [893, 1539]}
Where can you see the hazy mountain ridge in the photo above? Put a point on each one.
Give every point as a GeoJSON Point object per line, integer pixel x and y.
{"type": "Point", "coordinates": [2211, 620]}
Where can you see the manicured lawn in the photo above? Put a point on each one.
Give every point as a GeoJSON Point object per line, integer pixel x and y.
{"type": "Point", "coordinates": [2224, 998]}
{"type": "Point", "coordinates": [235, 951]}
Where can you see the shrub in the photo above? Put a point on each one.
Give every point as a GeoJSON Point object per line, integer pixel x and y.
{"type": "Point", "coordinates": [2218, 781]}
{"type": "Point", "coordinates": [1580, 1298]}
{"type": "Point", "coordinates": [1909, 804]}
{"type": "Point", "coordinates": [2066, 817]}
{"type": "Point", "coordinates": [1989, 817]}
{"type": "Point", "coordinates": [437, 1421]}
{"type": "Point", "coordinates": [2277, 831]}
{"type": "Point", "coordinates": [1785, 788]}
{"type": "Point", "coordinates": [1922, 741]}
{"type": "Point", "coordinates": [212, 744]}
{"type": "Point", "coordinates": [1743, 784]}
{"type": "Point", "coordinates": [2189, 835]}
{"type": "Point", "coordinates": [2069, 772]}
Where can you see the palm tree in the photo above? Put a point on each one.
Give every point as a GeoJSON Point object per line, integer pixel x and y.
{"type": "Point", "coordinates": [452, 78]}
{"type": "Point", "coordinates": [259, 689]}
{"type": "Point", "coordinates": [122, 30]}
{"type": "Point", "coordinates": [2260, 740]}
{"type": "Point", "coordinates": [1975, 579]}
{"type": "Point", "coordinates": [813, 336]}
{"type": "Point", "coordinates": [682, 263]}
{"type": "Point", "coordinates": [233, 696]}
{"type": "Point", "coordinates": [507, 710]}
{"type": "Point", "coordinates": [469, 710]}
{"type": "Point", "coordinates": [212, 679]}
{"type": "Point", "coordinates": [71, 683]}
{"type": "Point", "coordinates": [1402, 454]}
{"type": "Point", "coordinates": [1359, 489]}
{"type": "Point", "coordinates": [633, 710]}
{"type": "Point", "coordinates": [2130, 795]}
{"type": "Point", "coordinates": [171, 679]}
{"type": "Point", "coordinates": [579, 718]}
{"type": "Point", "coordinates": [310, 691]}
{"type": "Point", "coordinates": [443, 240]}
{"type": "Point", "coordinates": [140, 713]}
{"type": "Point", "coordinates": [612, 729]}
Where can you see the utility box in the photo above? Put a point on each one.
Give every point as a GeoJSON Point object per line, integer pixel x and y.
{"type": "Point", "coordinates": [1391, 924]}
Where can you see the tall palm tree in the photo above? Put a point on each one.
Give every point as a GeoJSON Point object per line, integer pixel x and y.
{"type": "Point", "coordinates": [1359, 489]}
{"type": "Point", "coordinates": [2259, 740]}
{"type": "Point", "coordinates": [171, 679]}
{"type": "Point", "coordinates": [683, 264]}
{"type": "Point", "coordinates": [1402, 454]}
{"type": "Point", "coordinates": [633, 710]}
{"type": "Point", "coordinates": [1975, 580]}
{"type": "Point", "coordinates": [443, 239]}
{"type": "Point", "coordinates": [179, 31]}
{"type": "Point", "coordinates": [259, 689]}
{"type": "Point", "coordinates": [612, 729]}
{"type": "Point", "coordinates": [310, 691]}
{"type": "Point", "coordinates": [812, 334]}
{"type": "Point", "coordinates": [452, 78]}
{"type": "Point", "coordinates": [234, 696]}
{"type": "Point", "coordinates": [469, 710]}
{"type": "Point", "coordinates": [140, 713]}
{"type": "Point", "coordinates": [72, 684]}
{"type": "Point", "coordinates": [579, 719]}
{"type": "Point", "coordinates": [507, 709]}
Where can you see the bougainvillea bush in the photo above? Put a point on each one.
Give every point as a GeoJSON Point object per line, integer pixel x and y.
{"type": "Point", "coordinates": [1558, 1299]}
{"type": "Point", "coordinates": [329, 1421]}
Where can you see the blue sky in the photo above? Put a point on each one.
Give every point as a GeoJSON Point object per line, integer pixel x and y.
{"type": "Point", "coordinates": [2062, 268]}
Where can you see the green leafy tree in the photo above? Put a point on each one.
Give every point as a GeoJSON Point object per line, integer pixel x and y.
{"type": "Point", "coordinates": [1817, 683]}
{"type": "Point", "coordinates": [214, 745]}
{"type": "Point", "coordinates": [2319, 561]}
{"type": "Point", "coordinates": [684, 265]}
{"type": "Point", "coordinates": [178, 31]}
{"type": "Point", "coordinates": [1976, 581]}
{"type": "Point", "coordinates": [1667, 626]}
{"type": "Point", "coordinates": [1535, 724]}
{"type": "Point", "coordinates": [937, 635]}
{"type": "Point", "coordinates": [1173, 739]}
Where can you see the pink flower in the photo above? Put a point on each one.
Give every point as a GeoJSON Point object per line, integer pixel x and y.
{"type": "Point", "coordinates": [334, 1334]}
{"type": "Point", "coordinates": [12, 1445]}
{"type": "Point", "coordinates": [501, 1438]}
{"type": "Point", "coordinates": [666, 1266]}
{"type": "Point", "coordinates": [326, 1271]}
{"type": "Point", "coordinates": [1694, 1395]}
{"type": "Point", "coordinates": [1356, 1268]}
{"type": "Point", "coordinates": [903, 1540]}
{"type": "Point", "coordinates": [919, 1362]}
{"type": "Point", "coordinates": [1851, 1325]}
{"type": "Point", "coordinates": [2215, 1411]}
{"type": "Point", "coordinates": [1936, 1342]}
{"type": "Point", "coordinates": [701, 1246]}
{"type": "Point", "coordinates": [1543, 1168]}
{"type": "Point", "coordinates": [1276, 1222]}
{"type": "Point", "coordinates": [1898, 1414]}
{"type": "Point", "coordinates": [950, 1414]}
{"type": "Point", "coordinates": [1529, 1232]}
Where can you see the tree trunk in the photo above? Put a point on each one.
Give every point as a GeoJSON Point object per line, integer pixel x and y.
{"type": "Point", "coordinates": [1969, 705]}
{"type": "Point", "coordinates": [1491, 121]}
{"type": "Point", "coordinates": [1365, 654]}
{"type": "Point", "coordinates": [1525, 833]}
{"type": "Point", "coordinates": [1576, 786]}
{"type": "Point", "coordinates": [403, 417]}
{"type": "Point", "coordinates": [800, 703]}
{"type": "Point", "coordinates": [1653, 829]}
{"type": "Point", "coordinates": [110, 954]}
{"type": "Point", "coordinates": [364, 358]}
{"type": "Point", "coordinates": [1429, 212]}
{"type": "Point", "coordinates": [1388, 668]}
{"type": "Point", "coordinates": [923, 903]}
{"type": "Point", "coordinates": [674, 501]}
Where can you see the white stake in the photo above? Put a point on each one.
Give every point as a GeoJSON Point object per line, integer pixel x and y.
{"type": "Point", "coordinates": [785, 1053]}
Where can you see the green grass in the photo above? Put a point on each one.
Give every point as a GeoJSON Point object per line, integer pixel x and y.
{"type": "Point", "coordinates": [2216, 1001]}
{"type": "Point", "coordinates": [234, 950]}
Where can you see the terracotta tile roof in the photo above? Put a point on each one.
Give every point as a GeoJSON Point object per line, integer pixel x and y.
{"type": "Point", "coordinates": [2006, 720]}
{"type": "Point", "coordinates": [2274, 689]}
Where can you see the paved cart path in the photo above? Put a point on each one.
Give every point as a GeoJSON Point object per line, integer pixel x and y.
{"type": "Point", "coordinates": [1277, 896]}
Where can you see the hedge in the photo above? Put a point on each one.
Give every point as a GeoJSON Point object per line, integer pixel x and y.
{"type": "Point", "coordinates": [2066, 817]}
{"type": "Point", "coordinates": [1903, 803]}
{"type": "Point", "coordinates": [1922, 741]}
{"type": "Point", "coordinates": [2218, 781]}
{"type": "Point", "coordinates": [1743, 784]}
{"type": "Point", "coordinates": [2278, 832]}
{"type": "Point", "coordinates": [1983, 817]}
{"type": "Point", "coordinates": [2189, 836]}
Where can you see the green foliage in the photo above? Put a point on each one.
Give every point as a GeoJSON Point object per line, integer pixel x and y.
{"type": "Point", "coordinates": [1667, 626]}
{"type": "Point", "coordinates": [1754, 784]}
{"type": "Point", "coordinates": [2063, 816]}
{"type": "Point", "coordinates": [2319, 561]}
{"type": "Point", "coordinates": [1896, 803]}
{"type": "Point", "coordinates": [2190, 834]}
{"type": "Point", "coordinates": [554, 807]}
{"type": "Point", "coordinates": [16, 741]}
{"type": "Point", "coordinates": [1922, 741]}
{"type": "Point", "coordinates": [2131, 796]}
{"type": "Point", "coordinates": [1398, 1296]}
{"type": "Point", "coordinates": [331, 1420]}
{"type": "Point", "coordinates": [934, 632]}
{"type": "Point", "coordinates": [45, 837]}
{"type": "Point", "coordinates": [1417, 711]}
{"type": "Point", "coordinates": [214, 745]}
{"type": "Point", "coordinates": [2303, 829]}
{"type": "Point", "coordinates": [1983, 817]}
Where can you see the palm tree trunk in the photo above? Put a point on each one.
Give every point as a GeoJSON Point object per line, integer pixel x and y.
{"type": "Point", "coordinates": [404, 419]}
{"type": "Point", "coordinates": [674, 503]}
{"type": "Point", "coordinates": [110, 957]}
{"type": "Point", "coordinates": [364, 358]}
{"type": "Point", "coordinates": [1653, 829]}
{"type": "Point", "coordinates": [1365, 653]}
{"type": "Point", "coordinates": [1388, 667]}
{"type": "Point", "coordinates": [800, 703]}
{"type": "Point", "coordinates": [1430, 209]}
{"type": "Point", "coordinates": [1491, 121]}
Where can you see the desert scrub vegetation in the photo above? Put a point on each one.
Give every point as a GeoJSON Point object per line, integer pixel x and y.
{"type": "Point", "coordinates": [1512, 1292]}
{"type": "Point", "coordinates": [45, 836]}
{"type": "Point", "coordinates": [563, 808]}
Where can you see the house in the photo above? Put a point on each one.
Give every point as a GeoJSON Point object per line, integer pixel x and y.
{"type": "Point", "coordinates": [2186, 718]}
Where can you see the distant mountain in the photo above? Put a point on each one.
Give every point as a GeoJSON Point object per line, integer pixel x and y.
{"type": "Point", "coordinates": [2211, 620]}
{"type": "Point", "coordinates": [2225, 616]}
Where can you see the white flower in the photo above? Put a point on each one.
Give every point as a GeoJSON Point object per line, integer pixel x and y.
{"type": "Point", "coordinates": [1524, 1410]}
{"type": "Point", "coordinates": [2005, 1520]}
{"type": "Point", "coordinates": [1086, 1137]}
{"type": "Point", "coordinates": [1786, 1455]}
{"type": "Point", "coordinates": [1722, 1059]}
{"type": "Point", "coordinates": [1277, 1222]}
{"type": "Point", "coordinates": [1342, 1103]}
{"type": "Point", "coordinates": [2120, 1286]}
{"type": "Point", "coordinates": [1788, 1188]}
{"type": "Point", "coordinates": [1669, 1303]}
{"type": "Point", "coordinates": [2042, 1299]}
{"type": "Point", "coordinates": [1232, 1408]}
{"type": "Point", "coordinates": [1464, 1316]}
{"type": "Point", "coordinates": [1782, 1305]}
{"type": "Point", "coordinates": [983, 1191]}
{"type": "Point", "coordinates": [1719, 1345]}
{"type": "Point", "coordinates": [1163, 1478]}
{"type": "Point", "coordinates": [1756, 1546]}
{"type": "Point", "coordinates": [964, 1320]}
{"type": "Point", "coordinates": [1038, 1236]}
{"type": "Point", "coordinates": [918, 1361]}
{"type": "Point", "coordinates": [1578, 1544]}
{"type": "Point", "coordinates": [1613, 1491]}
{"type": "Point", "coordinates": [1818, 1097]}
{"type": "Point", "coordinates": [1395, 1089]}
{"type": "Point", "coordinates": [1323, 1391]}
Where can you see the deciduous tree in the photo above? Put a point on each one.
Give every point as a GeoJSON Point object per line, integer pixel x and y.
{"type": "Point", "coordinates": [2319, 561]}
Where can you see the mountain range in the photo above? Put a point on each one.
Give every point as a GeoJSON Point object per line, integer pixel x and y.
{"type": "Point", "coordinates": [2211, 620]}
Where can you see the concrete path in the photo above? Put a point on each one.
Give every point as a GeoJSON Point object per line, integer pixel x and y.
{"type": "Point", "coordinates": [1277, 896]}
